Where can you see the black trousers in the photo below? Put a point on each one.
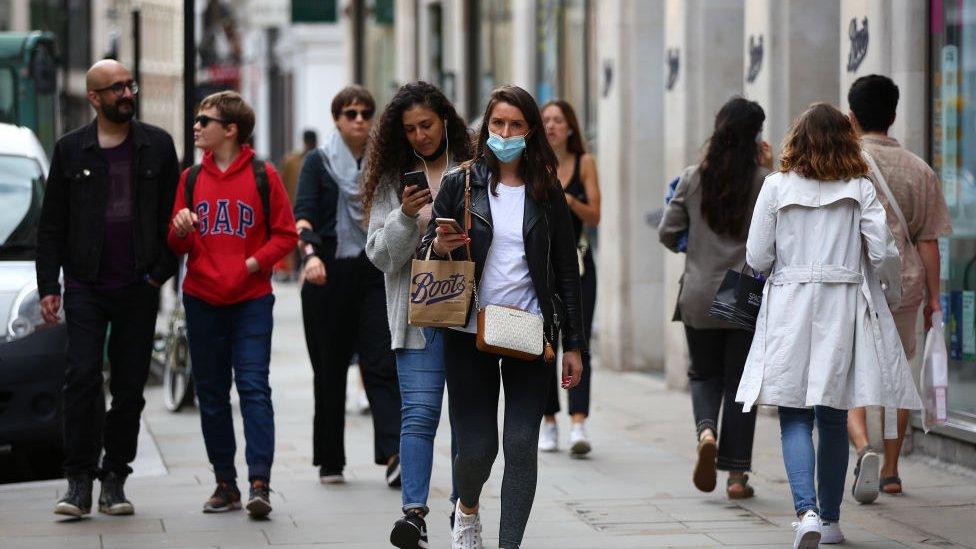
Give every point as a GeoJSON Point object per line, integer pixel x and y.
{"type": "Point", "coordinates": [473, 382]}
{"type": "Point", "coordinates": [347, 316]}
{"type": "Point", "coordinates": [87, 427]}
{"type": "Point", "coordinates": [579, 396]}
{"type": "Point", "coordinates": [717, 359]}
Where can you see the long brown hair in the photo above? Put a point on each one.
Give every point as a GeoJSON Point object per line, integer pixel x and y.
{"type": "Point", "coordinates": [538, 166]}
{"type": "Point", "coordinates": [730, 165]}
{"type": "Point", "coordinates": [575, 142]}
{"type": "Point", "coordinates": [822, 144]}
{"type": "Point", "coordinates": [390, 153]}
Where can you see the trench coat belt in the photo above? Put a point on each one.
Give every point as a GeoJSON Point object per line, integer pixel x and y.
{"type": "Point", "coordinates": [815, 273]}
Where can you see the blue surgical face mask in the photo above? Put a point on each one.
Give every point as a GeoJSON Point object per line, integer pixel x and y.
{"type": "Point", "coordinates": [508, 149]}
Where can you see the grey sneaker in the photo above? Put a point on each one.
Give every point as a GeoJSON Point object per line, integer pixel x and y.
{"type": "Point", "coordinates": [78, 499]}
{"type": "Point", "coordinates": [866, 476]}
{"type": "Point", "coordinates": [112, 500]}
{"type": "Point", "coordinates": [259, 500]}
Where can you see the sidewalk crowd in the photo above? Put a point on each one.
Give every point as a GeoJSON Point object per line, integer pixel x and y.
{"type": "Point", "coordinates": [841, 239]}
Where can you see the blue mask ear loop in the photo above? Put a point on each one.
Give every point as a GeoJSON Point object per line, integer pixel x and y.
{"type": "Point", "coordinates": [447, 151]}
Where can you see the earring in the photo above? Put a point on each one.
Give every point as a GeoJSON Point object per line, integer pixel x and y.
{"type": "Point", "coordinates": [569, 133]}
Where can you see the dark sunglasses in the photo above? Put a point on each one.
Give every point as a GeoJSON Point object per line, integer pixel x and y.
{"type": "Point", "coordinates": [118, 88]}
{"type": "Point", "coordinates": [204, 120]}
{"type": "Point", "coordinates": [351, 114]}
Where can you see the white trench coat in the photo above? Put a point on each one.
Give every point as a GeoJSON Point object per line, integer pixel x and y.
{"type": "Point", "coordinates": [825, 335]}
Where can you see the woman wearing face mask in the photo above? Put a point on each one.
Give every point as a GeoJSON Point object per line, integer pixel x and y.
{"type": "Point", "coordinates": [419, 130]}
{"type": "Point", "coordinates": [713, 203]}
{"type": "Point", "coordinates": [577, 175]}
{"type": "Point", "coordinates": [343, 302]}
{"type": "Point", "coordinates": [522, 244]}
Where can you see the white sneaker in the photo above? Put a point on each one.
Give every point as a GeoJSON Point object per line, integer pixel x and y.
{"type": "Point", "coordinates": [467, 530]}
{"type": "Point", "coordinates": [866, 477]}
{"type": "Point", "coordinates": [830, 532]}
{"type": "Point", "coordinates": [807, 531]}
{"type": "Point", "coordinates": [579, 446]}
{"type": "Point", "coordinates": [548, 437]}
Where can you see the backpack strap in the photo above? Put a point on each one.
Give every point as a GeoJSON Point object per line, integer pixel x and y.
{"type": "Point", "coordinates": [264, 191]}
{"type": "Point", "coordinates": [191, 183]}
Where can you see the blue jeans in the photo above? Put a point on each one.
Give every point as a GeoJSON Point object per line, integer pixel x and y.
{"type": "Point", "coordinates": [421, 374]}
{"type": "Point", "coordinates": [233, 343]}
{"type": "Point", "coordinates": [830, 462]}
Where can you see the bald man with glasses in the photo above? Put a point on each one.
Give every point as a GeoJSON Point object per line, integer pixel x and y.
{"type": "Point", "coordinates": [103, 224]}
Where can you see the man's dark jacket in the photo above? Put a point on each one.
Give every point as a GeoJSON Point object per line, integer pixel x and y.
{"type": "Point", "coordinates": [72, 227]}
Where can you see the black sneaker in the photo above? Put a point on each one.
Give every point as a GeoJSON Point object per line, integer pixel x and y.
{"type": "Point", "coordinates": [259, 501]}
{"type": "Point", "coordinates": [410, 532]}
{"type": "Point", "coordinates": [77, 501]}
{"type": "Point", "coordinates": [225, 498]}
{"type": "Point", "coordinates": [331, 475]}
{"type": "Point", "coordinates": [112, 500]}
{"type": "Point", "coordinates": [393, 472]}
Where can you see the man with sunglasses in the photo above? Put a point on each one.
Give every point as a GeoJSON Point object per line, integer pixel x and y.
{"type": "Point", "coordinates": [104, 223]}
{"type": "Point", "coordinates": [343, 297]}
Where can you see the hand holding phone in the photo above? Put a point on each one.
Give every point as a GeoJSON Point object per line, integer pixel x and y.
{"type": "Point", "coordinates": [416, 193]}
{"type": "Point", "coordinates": [450, 236]}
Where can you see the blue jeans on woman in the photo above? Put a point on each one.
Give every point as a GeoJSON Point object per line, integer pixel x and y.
{"type": "Point", "coordinates": [232, 344]}
{"type": "Point", "coordinates": [421, 375]}
{"type": "Point", "coordinates": [830, 461]}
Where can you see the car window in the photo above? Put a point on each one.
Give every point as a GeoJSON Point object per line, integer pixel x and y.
{"type": "Point", "coordinates": [20, 195]}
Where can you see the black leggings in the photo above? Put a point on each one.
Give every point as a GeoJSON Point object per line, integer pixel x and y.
{"type": "Point", "coordinates": [579, 396]}
{"type": "Point", "coordinates": [718, 357]}
{"type": "Point", "coordinates": [473, 381]}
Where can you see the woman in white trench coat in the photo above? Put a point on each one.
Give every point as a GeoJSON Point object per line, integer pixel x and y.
{"type": "Point", "coordinates": [825, 339]}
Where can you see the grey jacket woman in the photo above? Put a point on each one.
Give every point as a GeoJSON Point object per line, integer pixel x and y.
{"type": "Point", "coordinates": [709, 255]}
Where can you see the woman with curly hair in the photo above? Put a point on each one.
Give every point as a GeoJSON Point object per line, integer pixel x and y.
{"type": "Point", "coordinates": [825, 338]}
{"type": "Point", "coordinates": [419, 130]}
{"type": "Point", "coordinates": [713, 204]}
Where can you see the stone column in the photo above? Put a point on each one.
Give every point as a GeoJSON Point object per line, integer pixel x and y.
{"type": "Point", "coordinates": [524, 44]}
{"type": "Point", "coordinates": [631, 145]}
{"type": "Point", "coordinates": [704, 67]}
{"type": "Point", "coordinates": [791, 49]}
{"type": "Point", "coordinates": [406, 27]}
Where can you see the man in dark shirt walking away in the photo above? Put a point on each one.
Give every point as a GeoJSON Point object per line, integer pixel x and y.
{"type": "Point", "coordinates": [104, 222]}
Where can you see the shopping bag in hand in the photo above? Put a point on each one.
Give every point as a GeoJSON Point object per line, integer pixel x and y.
{"type": "Point", "coordinates": [935, 376]}
{"type": "Point", "coordinates": [738, 299]}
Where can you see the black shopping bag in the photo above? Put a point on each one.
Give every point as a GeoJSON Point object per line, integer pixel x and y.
{"type": "Point", "coordinates": [738, 299]}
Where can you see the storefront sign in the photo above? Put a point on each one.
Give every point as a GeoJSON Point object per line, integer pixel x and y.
{"type": "Point", "coordinates": [755, 58]}
{"type": "Point", "coordinates": [950, 124]}
{"type": "Point", "coordinates": [859, 44]}
{"type": "Point", "coordinates": [674, 67]}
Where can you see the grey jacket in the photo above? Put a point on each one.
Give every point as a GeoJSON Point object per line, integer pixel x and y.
{"type": "Point", "coordinates": [391, 241]}
{"type": "Point", "coordinates": [709, 254]}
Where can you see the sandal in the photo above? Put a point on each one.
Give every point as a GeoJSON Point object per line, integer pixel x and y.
{"type": "Point", "coordinates": [745, 493]}
{"type": "Point", "coordinates": [704, 476]}
{"type": "Point", "coordinates": [891, 481]}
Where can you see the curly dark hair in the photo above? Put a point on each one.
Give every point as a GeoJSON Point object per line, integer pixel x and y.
{"type": "Point", "coordinates": [539, 163]}
{"type": "Point", "coordinates": [730, 163]}
{"type": "Point", "coordinates": [389, 151]}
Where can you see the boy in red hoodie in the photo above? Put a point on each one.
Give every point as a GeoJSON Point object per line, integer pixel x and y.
{"type": "Point", "coordinates": [233, 234]}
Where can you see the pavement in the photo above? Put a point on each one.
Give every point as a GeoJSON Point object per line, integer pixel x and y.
{"type": "Point", "coordinates": [634, 491]}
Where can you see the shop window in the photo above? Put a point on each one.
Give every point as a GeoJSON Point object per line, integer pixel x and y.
{"type": "Point", "coordinates": [953, 154]}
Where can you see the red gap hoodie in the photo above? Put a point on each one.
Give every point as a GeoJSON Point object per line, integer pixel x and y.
{"type": "Point", "coordinates": [231, 229]}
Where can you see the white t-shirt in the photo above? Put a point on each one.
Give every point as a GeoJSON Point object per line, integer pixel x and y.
{"type": "Point", "coordinates": [505, 279]}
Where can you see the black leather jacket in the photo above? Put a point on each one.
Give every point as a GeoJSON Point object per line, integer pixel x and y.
{"type": "Point", "coordinates": [550, 248]}
{"type": "Point", "coordinates": [72, 226]}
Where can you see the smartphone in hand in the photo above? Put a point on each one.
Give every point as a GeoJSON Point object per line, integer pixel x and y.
{"type": "Point", "coordinates": [449, 225]}
{"type": "Point", "coordinates": [416, 179]}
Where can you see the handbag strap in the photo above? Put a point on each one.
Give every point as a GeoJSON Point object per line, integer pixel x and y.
{"type": "Point", "coordinates": [888, 194]}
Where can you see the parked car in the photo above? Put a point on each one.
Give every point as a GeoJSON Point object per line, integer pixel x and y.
{"type": "Point", "coordinates": [32, 354]}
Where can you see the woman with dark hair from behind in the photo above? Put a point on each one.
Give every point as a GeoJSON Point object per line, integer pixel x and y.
{"type": "Point", "coordinates": [577, 175]}
{"type": "Point", "coordinates": [419, 130]}
{"type": "Point", "coordinates": [825, 338]}
{"type": "Point", "coordinates": [713, 203]}
{"type": "Point", "coordinates": [519, 211]}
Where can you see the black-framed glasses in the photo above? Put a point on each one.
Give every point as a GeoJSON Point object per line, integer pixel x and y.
{"type": "Point", "coordinates": [118, 88]}
{"type": "Point", "coordinates": [203, 120]}
{"type": "Point", "coordinates": [351, 114]}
